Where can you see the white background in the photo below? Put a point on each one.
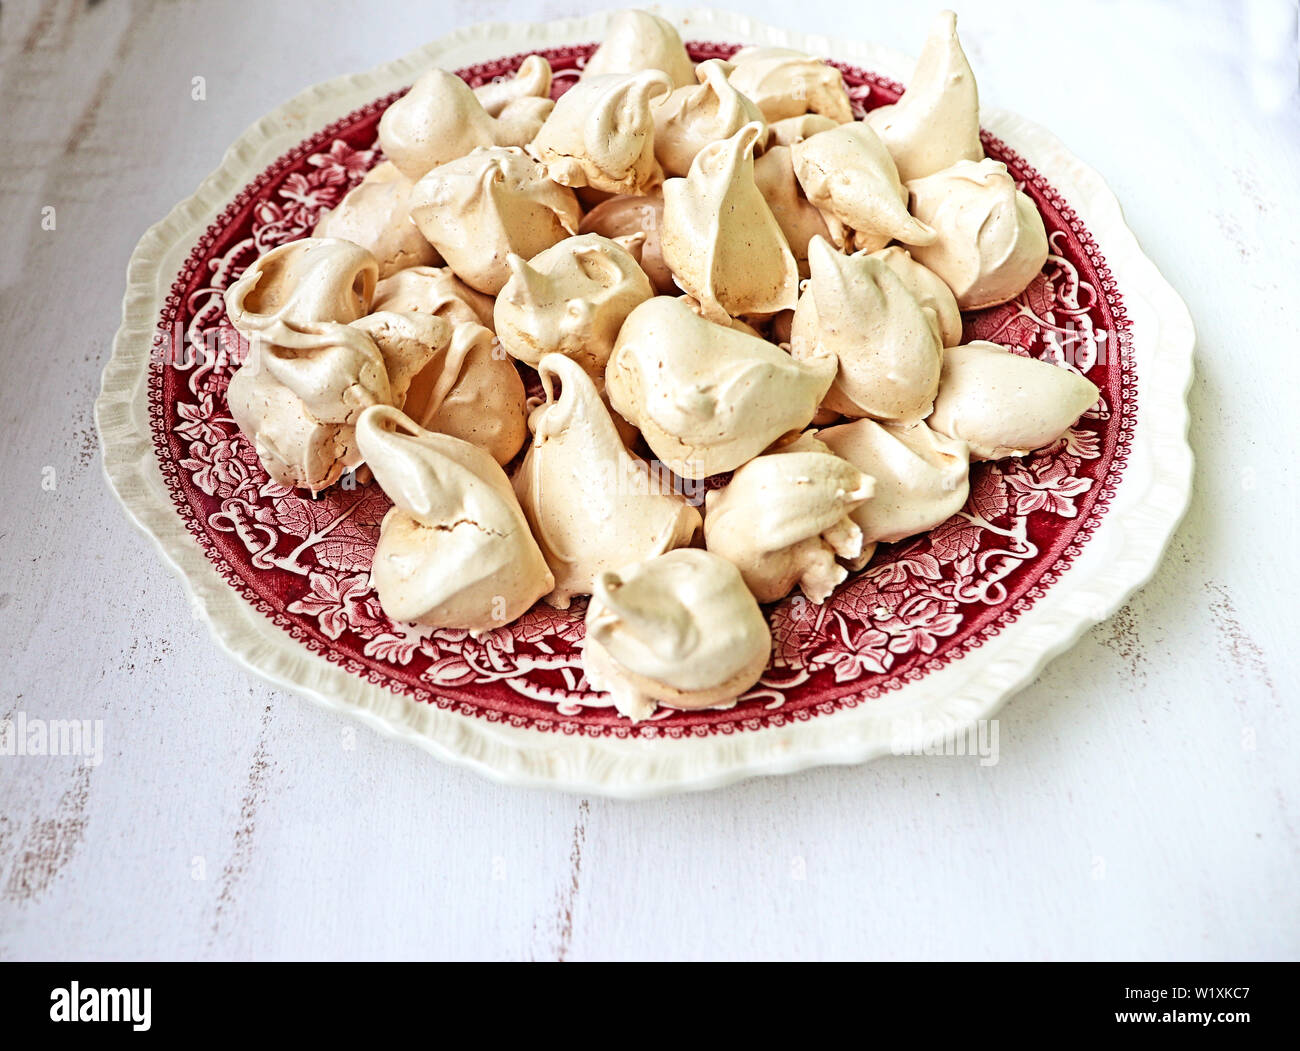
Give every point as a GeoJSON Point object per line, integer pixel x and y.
{"type": "Point", "coordinates": [1147, 801]}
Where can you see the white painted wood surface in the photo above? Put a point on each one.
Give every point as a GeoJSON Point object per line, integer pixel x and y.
{"type": "Point", "coordinates": [1147, 799]}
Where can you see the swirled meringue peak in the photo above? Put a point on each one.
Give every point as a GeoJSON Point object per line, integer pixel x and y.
{"type": "Point", "coordinates": [441, 119]}
{"type": "Point", "coordinates": [627, 216]}
{"type": "Point", "coordinates": [592, 505]}
{"type": "Point", "coordinates": [601, 133]}
{"type": "Point", "coordinates": [680, 630]}
{"type": "Point", "coordinates": [795, 129]}
{"type": "Point", "coordinates": [1004, 404]}
{"type": "Point", "coordinates": [376, 215]}
{"type": "Point", "coordinates": [922, 478]}
{"type": "Point", "coordinates": [707, 397]}
{"type": "Point", "coordinates": [785, 83]}
{"type": "Point", "coordinates": [856, 308]}
{"type": "Point", "coordinates": [929, 289]}
{"type": "Point", "coordinates": [785, 517]}
{"type": "Point", "coordinates": [800, 221]}
{"type": "Point", "coordinates": [471, 390]}
{"type": "Point", "coordinates": [570, 299]}
{"type": "Point", "coordinates": [636, 41]}
{"type": "Point", "coordinates": [300, 283]}
{"type": "Point", "coordinates": [720, 238]}
{"type": "Point", "coordinates": [990, 240]}
{"type": "Point", "coordinates": [936, 122]}
{"type": "Point", "coordinates": [849, 175]}
{"type": "Point", "coordinates": [478, 209]}
{"type": "Point", "coordinates": [436, 291]}
{"type": "Point", "coordinates": [532, 80]}
{"type": "Point", "coordinates": [691, 118]}
{"type": "Point", "coordinates": [454, 551]}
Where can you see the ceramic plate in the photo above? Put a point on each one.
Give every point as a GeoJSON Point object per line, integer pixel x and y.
{"type": "Point", "coordinates": [937, 632]}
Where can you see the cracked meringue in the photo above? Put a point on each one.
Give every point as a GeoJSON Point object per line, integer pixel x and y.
{"type": "Point", "coordinates": [849, 175]}
{"type": "Point", "coordinates": [1003, 404]}
{"type": "Point", "coordinates": [441, 119]}
{"type": "Point", "coordinates": [785, 83]}
{"type": "Point", "coordinates": [636, 41]}
{"type": "Point", "coordinates": [627, 216]}
{"type": "Point", "coordinates": [478, 209]}
{"type": "Point", "coordinates": [785, 517]}
{"type": "Point", "coordinates": [570, 299]}
{"type": "Point", "coordinates": [989, 242]}
{"type": "Point", "coordinates": [928, 288]}
{"type": "Point", "coordinates": [436, 291]}
{"type": "Point", "coordinates": [922, 478]}
{"type": "Point", "coordinates": [691, 118]}
{"type": "Point", "coordinates": [936, 122]}
{"type": "Point", "coordinates": [707, 397]}
{"type": "Point", "coordinates": [680, 630]}
{"type": "Point", "coordinates": [376, 215]}
{"type": "Point", "coordinates": [454, 550]}
{"type": "Point", "coordinates": [720, 238]}
{"type": "Point", "coordinates": [799, 220]}
{"type": "Point", "coordinates": [300, 283]}
{"type": "Point", "coordinates": [855, 308]}
{"type": "Point", "coordinates": [601, 133]}
{"type": "Point", "coordinates": [592, 505]}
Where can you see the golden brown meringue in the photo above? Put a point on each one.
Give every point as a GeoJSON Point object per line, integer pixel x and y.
{"type": "Point", "coordinates": [1003, 404]}
{"type": "Point", "coordinates": [785, 517]}
{"type": "Point", "coordinates": [922, 477]}
{"type": "Point", "coordinates": [441, 119]}
{"type": "Point", "coordinates": [680, 630]}
{"type": "Point", "coordinates": [784, 83]}
{"type": "Point", "coordinates": [570, 299]}
{"type": "Point", "coordinates": [592, 505]}
{"type": "Point", "coordinates": [691, 118]}
{"type": "Point", "coordinates": [638, 40]}
{"type": "Point", "coordinates": [849, 175]}
{"type": "Point", "coordinates": [855, 308]}
{"type": "Point", "coordinates": [989, 238]}
{"type": "Point", "coordinates": [454, 551]}
{"type": "Point", "coordinates": [376, 215]}
{"type": "Point", "coordinates": [795, 129]}
{"type": "Point", "coordinates": [721, 239]}
{"type": "Point", "coordinates": [532, 80]}
{"type": "Point", "coordinates": [471, 390]}
{"type": "Point", "coordinates": [300, 283]}
{"type": "Point", "coordinates": [798, 219]}
{"type": "Point", "coordinates": [601, 133]}
{"type": "Point", "coordinates": [436, 291]}
{"type": "Point", "coordinates": [928, 288]}
{"type": "Point", "coordinates": [480, 208]}
{"type": "Point", "coordinates": [936, 122]}
{"type": "Point", "coordinates": [626, 216]}
{"type": "Point", "coordinates": [708, 397]}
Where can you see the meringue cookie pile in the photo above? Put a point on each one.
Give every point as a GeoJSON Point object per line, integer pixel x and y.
{"type": "Point", "coordinates": [709, 271]}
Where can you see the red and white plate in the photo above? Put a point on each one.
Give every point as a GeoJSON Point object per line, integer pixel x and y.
{"type": "Point", "coordinates": [937, 632]}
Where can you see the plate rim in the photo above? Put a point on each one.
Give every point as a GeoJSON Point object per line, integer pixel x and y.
{"type": "Point", "coordinates": [638, 767]}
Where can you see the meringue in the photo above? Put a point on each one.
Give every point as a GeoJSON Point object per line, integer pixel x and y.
{"type": "Point", "coordinates": [436, 291]}
{"type": "Point", "coordinates": [680, 630]}
{"type": "Point", "coordinates": [989, 238]}
{"type": "Point", "coordinates": [454, 551]}
{"type": "Point", "coordinates": [300, 283]}
{"type": "Point", "coordinates": [471, 390]}
{"type": "Point", "coordinates": [441, 119]}
{"type": "Point", "coordinates": [691, 118]}
{"type": "Point", "coordinates": [376, 215]}
{"type": "Point", "coordinates": [922, 478]}
{"type": "Point", "coordinates": [849, 175]}
{"type": "Point", "coordinates": [638, 40]}
{"type": "Point", "coordinates": [626, 216]}
{"type": "Point", "coordinates": [601, 133]}
{"type": "Point", "coordinates": [785, 517]}
{"type": "Point", "coordinates": [936, 122]}
{"type": "Point", "coordinates": [785, 83]}
{"type": "Point", "coordinates": [707, 397]}
{"type": "Point", "coordinates": [720, 238]}
{"type": "Point", "coordinates": [494, 201]}
{"type": "Point", "coordinates": [855, 308]}
{"type": "Point", "coordinates": [790, 130]}
{"type": "Point", "coordinates": [799, 220]}
{"type": "Point", "coordinates": [928, 288]}
{"type": "Point", "coordinates": [570, 299]}
{"type": "Point", "coordinates": [532, 80]}
{"type": "Point", "coordinates": [592, 505]}
{"type": "Point", "coordinates": [1004, 404]}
